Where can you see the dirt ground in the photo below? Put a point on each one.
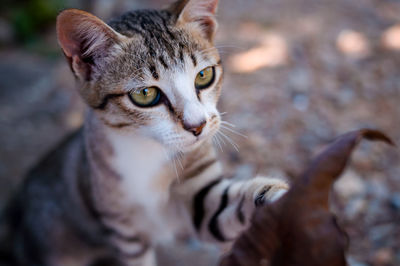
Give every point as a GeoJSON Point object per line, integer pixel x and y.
{"type": "Point", "coordinates": [298, 73]}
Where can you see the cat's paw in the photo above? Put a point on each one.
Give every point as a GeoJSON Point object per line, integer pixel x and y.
{"type": "Point", "coordinates": [251, 194]}
{"type": "Point", "coordinates": [266, 189]}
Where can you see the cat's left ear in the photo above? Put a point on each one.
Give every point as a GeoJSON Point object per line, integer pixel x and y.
{"type": "Point", "coordinates": [85, 40]}
{"type": "Point", "coordinates": [198, 13]}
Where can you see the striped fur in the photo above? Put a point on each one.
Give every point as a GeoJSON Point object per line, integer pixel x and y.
{"type": "Point", "coordinates": [133, 177]}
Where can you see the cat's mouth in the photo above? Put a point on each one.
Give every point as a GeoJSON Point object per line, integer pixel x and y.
{"type": "Point", "coordinates": [189, 142]}
{"type": "Point", "coordinates": [195, 142]}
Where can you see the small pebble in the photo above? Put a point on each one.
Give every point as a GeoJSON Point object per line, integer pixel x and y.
{"type": "Point", "coordinates": [378, 189]}
{"type": "Point", "coordinates": [300, 101]}
{"type": "Point", "coordinates": [383, 256]}
{"type": "Point", "coordinates": [355, 207]}
{"type": "Point", "coordinates": [395, 201]}
{"type": "Point", "coordinates": [354, 262]}
{"type": "Point", "coordinates": [380, 233]}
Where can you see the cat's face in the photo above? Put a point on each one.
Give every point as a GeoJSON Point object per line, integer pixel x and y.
{"type": "Point", "coordinates": [153, 73]}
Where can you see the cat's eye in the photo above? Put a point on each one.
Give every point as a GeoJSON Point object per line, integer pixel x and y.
{"type": "Point", "coordinates": [205, 78]}
{"type": "Point", "coordinates": [145, 97]}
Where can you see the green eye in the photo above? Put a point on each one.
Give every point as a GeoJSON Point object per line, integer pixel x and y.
{"type": "Point", "coordinates": [145, 97]}
{"type": "Point", "coordinates": [205, 78]}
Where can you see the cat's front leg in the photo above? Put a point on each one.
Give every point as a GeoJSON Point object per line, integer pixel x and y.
{"type": "Point", "coordinates": [231, 205]}
{"type": "Point", "coordinates": [243, 198]}
{"type": "Point", "coordinates": [222, 208]}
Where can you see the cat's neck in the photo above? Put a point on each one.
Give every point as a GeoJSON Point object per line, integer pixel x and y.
{"type": "Point", "coordinates": [129, 172]}
{"type": "Point", "coordinates": [134, 160]}
{"type": "Point", "coordinates": [125, 149]}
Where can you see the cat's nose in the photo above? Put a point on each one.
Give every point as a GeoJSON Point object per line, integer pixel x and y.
{"type": "Point", "coordinates": [195, 129]}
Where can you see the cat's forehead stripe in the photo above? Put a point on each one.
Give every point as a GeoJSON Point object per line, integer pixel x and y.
{"type": "Point", "coordinates": [154, 72]}
{"type": "Point", "coordinates": [162, 61]}
{"type": "Point", "coordinates": [160, 39]}
{"type": "Point", "coordinates": [194, 60]}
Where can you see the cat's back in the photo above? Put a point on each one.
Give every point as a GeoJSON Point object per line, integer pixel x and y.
{"type": "Point", "coordinates": [49, 206]}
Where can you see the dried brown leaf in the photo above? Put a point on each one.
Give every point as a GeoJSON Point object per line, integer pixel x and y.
{"type": "Point", "coordinates": [299, 229]}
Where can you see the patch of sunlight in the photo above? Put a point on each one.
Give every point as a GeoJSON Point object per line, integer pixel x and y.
{"type": "Point", "coordinates": [353, 44]}
{"type": "Point", "coordinates": [272, 52]}
{"type": "Point", "coordinates": [250, 31]}
{"type": "Point", "coordinates": [391, 38]}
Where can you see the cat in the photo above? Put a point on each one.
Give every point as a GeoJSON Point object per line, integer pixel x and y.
{"type": "Point", "coordinates": [111, 191]}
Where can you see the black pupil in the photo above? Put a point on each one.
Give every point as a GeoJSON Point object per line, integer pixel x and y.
{"type": "Point", "coordinates": [145, 92]}
{"type": "Point", "coordinates": [202, 74]}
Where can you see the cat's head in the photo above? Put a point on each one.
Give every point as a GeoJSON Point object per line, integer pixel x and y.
{"type": "Point", "coordinates": [152, 72]}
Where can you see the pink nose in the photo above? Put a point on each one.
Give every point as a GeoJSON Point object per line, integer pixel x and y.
{"type": "Point", "coordinates": [195, 129]}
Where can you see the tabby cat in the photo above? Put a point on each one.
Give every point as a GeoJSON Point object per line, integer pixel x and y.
{"type": "Point", "coordinates": [110, 192]}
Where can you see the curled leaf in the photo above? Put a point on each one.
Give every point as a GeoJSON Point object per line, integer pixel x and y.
{"type": "Point", "coordinates": [299, 229]}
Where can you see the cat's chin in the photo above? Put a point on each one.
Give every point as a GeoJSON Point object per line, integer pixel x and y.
{"type": "Point", "coordinates": [190, 145]}
{"type": "Point", "coordinates": [193, 146]}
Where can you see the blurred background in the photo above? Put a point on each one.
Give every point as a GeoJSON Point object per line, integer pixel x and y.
{"type": "Point", "coordinates": [298, 74]}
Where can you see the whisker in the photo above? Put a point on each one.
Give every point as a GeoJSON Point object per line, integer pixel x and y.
{"type": "Point", "coordinates": [179, 157]}
{"type": "Point", "coordinates": [220, 49]}
{"type": "Point", "coordinates": [229, 46]}
{"type": "Point", "coordinates": [220, 138]}
{"type": "Point", "coordinates": [229, 126]}
{"type": "Point", "coordinates": [233, 131]}
{"type": "Point", "coordinates": [203, 53]}
{"type": "Point", "coordinates": [173, 159]}
{"type": "Point", "coordinates": [227, 123]}
{"type": "Point", "coordinates": [218, 143]}
{"type": "Point", "coordinates": [213, 141]}
{"type": "Point", "coordinates": [176, 170]}
{"type": "Point", "coordinates": [234, 145]}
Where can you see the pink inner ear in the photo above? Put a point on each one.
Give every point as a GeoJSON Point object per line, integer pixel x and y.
{"type": "Point", "coordinates": [82, 34]}
{"type": "Point", "coordinates": [85, 39]}
{"type": "Point", "coordinates": [201, 12]}
{"type": "Point", "coordinates": [68, 44]}
{"type": "Point", "coordinates": [200, 8]}
{"type": "Point", "coordinates": [67, 30]}
{"type": "Point", "coordinates": [208, 26]}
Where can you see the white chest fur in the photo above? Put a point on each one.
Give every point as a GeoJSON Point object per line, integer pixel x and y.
{"type": "Point", "coordinates": [146, 175]}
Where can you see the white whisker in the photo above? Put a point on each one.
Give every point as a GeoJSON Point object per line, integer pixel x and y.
{"type": "Point", "coordinates": [222, 49]}
{"type": "Point", "coordinates": [179, 158]}
{"type": "Point", "coordinates": [230, 46]}
{"type": "Point", "coordinates": [235, 146]}
{"type": "Point", "coordinates": [233, 131]}
{"type": "Point", "coordinates": [218, 143]}
{"type": "Point", "coordinates": [173, 159]}
{"type": "Point", "coordinates": [227, 123]}
{"type": "Point", "coordinates": [220, 138]}
{"type": "Point", "coordinates": [176, 169]}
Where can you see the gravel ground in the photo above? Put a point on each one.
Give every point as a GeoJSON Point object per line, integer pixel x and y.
{"type": "Point", "coordinates": [298, 74]}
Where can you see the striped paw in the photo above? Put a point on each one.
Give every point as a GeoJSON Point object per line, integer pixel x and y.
{"type": "Point", "coordinates": [224, 208]}
{"type": "Point", "coordinates": [264, 190]}
{"type": "Point", "coordinates": [243, 199]}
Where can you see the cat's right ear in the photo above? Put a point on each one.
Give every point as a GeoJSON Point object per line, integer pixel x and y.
{"type": "Point", "coordinates": [85, 40]}
{"type": "Point", "coordinates": [199, 14]}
